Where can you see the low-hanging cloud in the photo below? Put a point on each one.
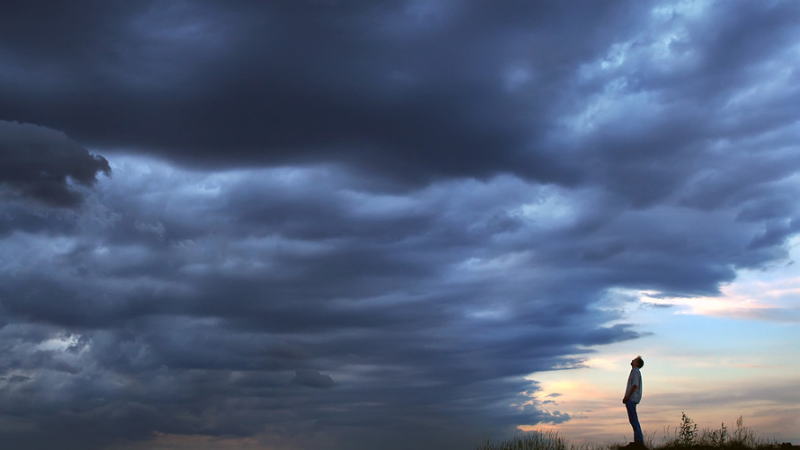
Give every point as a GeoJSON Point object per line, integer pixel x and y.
{"type": "Point", "coordinates": [38, 163]}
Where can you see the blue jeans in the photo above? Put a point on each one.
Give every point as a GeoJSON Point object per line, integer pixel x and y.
{"type": "Point", "coordinates": [634, 420]}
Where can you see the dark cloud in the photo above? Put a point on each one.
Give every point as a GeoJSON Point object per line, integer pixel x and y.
{"type": "Point", "coordinates": [362, 224]}
{"type": "Point", "coordinates": [41, 163]}
{"type": "Point", "coordinates": [414, 91]}
{"type": "Point", "coordinates": [312, 378]}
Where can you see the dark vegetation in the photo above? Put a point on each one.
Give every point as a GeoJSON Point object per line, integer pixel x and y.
{"type": "Point", "coordinates": [685, 436]}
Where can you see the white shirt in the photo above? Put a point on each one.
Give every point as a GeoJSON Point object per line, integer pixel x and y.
{"type": "Point", "coordinates": [635, 379]}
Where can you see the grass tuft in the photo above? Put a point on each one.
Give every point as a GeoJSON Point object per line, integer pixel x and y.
{"type": "Point", "coordinates": [534, 440]}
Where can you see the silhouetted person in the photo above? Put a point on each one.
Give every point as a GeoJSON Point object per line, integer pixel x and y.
{"type": "Point", "coordinates": [633, 395]}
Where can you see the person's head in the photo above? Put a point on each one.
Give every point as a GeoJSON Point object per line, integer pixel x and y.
{"type": "Point", "coordinates": [637, 362]}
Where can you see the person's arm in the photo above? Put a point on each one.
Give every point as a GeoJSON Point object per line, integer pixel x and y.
{"type": "Point", "coordinates": [633, 385]}
{"type": "Point", "coordinates": [629, 392]}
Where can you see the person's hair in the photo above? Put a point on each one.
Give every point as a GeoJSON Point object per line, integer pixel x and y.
{"type": "Point", "coordinates": [640, 360]}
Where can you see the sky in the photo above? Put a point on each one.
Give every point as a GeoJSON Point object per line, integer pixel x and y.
{"type": "Point", "coordinates": [395, 224]}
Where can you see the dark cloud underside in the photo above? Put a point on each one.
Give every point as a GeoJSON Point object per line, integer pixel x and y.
{"type": "Point", "coordinates": [40, 163]}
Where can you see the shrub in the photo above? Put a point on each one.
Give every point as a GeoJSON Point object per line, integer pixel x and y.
{"type": "Point", "coordinates": [715, 438]}
{"type": "Point", "coordinates": [687, 431]}
{"type": "Point", "coordinates": [744, 436]}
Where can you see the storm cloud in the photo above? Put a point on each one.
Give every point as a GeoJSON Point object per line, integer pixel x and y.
{"type": "Point", "coordinates": [40, 163]}
{"type": "Point", "coordinates": [362, 224]}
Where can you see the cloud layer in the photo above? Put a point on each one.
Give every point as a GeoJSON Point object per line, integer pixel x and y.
{"type": "Point", "coordinates": [348, 225]}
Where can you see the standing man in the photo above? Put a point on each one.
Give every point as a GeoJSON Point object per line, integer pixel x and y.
{"type": "Point", "coordinates": [633, 395]}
